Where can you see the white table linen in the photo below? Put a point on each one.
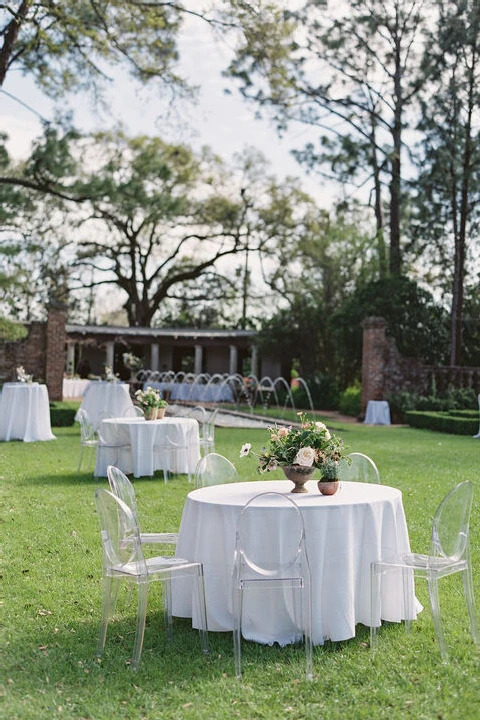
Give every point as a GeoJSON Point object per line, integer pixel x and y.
{"type": "Point", "coordinates": [344, 533]}
{"type": "Point", "coordinates": [106, 398]}
{"type": "Point", "coordinates": [25, 412]}
{"type": "Point", "coordinates": [377, 413]}
{"type": "Point", "coordinates": [194, 392]}
{"type": "Point", "coordinates": [142, 435]}
{"type": "Point", "coordinates": [74, 387]}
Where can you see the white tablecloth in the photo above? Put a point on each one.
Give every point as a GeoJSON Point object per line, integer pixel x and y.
{"type": "Point", "coordinates": [142, 435]}
{"type": "Point", "coordinates": [106, 398]}
{"type": "Point", "coordinates": [377, 413]}
{"type": "Point", "coordinates": [195, 392]}
{"type": "Point", "coordinates": [344, 533]}
{"type": "Point", "coordinates": [25, 412]}
{"type": "Point", "coordinates": [74, 387]}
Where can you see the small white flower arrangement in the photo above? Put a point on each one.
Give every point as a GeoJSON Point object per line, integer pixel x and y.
{"type": "Point", "coordinates": [131, 361]}
{"type": "Point", "coordinates": [22, 376]}
{"type": "Point", "coordinates": [150, 398]}
{"type": "Point", "coordinates": [110, 376]}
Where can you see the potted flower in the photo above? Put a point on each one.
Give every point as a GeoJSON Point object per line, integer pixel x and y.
{"type": "Point", "coordinates": [24, 377]}
{"type": "Point", "coordinates": [151, 403]}
{"type": "Point", "coordinates": [299, 450]}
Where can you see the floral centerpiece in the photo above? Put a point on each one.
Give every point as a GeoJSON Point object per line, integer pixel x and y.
{"type": "Point", "coordinates": [151, 402]}
{"type": "Point", "coordinates": [299, 450]}
{"type": "Point", "coordinates": [110, 376]}
{"type": "Point", "coordinates": [131, 361]}
{"type": "Point", "coordinates": [22, 376]}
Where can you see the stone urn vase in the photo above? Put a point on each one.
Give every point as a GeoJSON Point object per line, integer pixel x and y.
{"type": "Point", "coordinates": [150, 413]}
{"type": "Point", "coordinates": [299, 476]}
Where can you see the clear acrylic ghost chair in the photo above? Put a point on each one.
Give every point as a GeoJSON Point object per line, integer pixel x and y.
{"type": "Point", "coordinates": [270, 554]}
{"type": "Point", "coordinates": [123, 559]}
{"type": "Point", "coordinates": [449, 553]}
{"type": "Point", "coordinates": [214, 469]}
{"type": "Point", "coordinates": [133, 411]}
{"type": "Point", "coordinates": [207, 433]}
{"type": "Point", "coordinates": [121, 486]}
{"type": "Point", "coordinates": [171, 454]}
{"type": "Point", "coordinates": [360, 469]}
{"type": "Point", "coordinates": [88, 436]}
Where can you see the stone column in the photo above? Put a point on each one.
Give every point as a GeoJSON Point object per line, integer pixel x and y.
{"type": "Point", "coordinates": [56, 337]}
{"type": "Point", "coordinates": [254, 360]}
{"type": "Point", "coordinates": [70, 369]}
{"type": "Point", "coordinates": [110, 355]}
{"type": "Point", "coordinates": [197, 369]}
{"type": "Point", "coordinates": [233, 359]}
{"type": "Point", "coordinates": [154, 356]}
{"type": "Point", "coordinates": [373, 360]}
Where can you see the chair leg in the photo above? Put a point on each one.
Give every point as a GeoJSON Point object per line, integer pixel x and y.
{"type": "Point", "coordinates": [470, 600]}
{"type": "Point", "coordinates": [307, 631]}
{"type": "Point", "coordinates": [109, 595]}
{"type": "Point", "coordinates": [375, 612]}
{"type": "Point", "coordinates": [141, 618]}
{"type": "Point", "coordinates": [437, 621]}
{"type": "Point", "coordinates": [237, 630]}
{"type": "Point", "coordinates": [82, 449]}
{"type": "Point", "coordinates": [167, 607]}
{"type": "Point", "coordinates": [199, 597]}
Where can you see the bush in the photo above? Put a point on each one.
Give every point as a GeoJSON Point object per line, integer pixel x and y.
{"type": "Point", "coordinates": [323, 390]}
{"type": "Point", "coordinates": [351, 400]}
{"type": "Point", "coordinates": [442, 422]}
{"type": "Point", "coordinates": [452, 399]}
{"type": "Point", "coordinates": [61, 416]}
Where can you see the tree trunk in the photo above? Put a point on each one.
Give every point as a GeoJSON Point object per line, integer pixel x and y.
{"type": "Point", "coordinates": [10, 38]}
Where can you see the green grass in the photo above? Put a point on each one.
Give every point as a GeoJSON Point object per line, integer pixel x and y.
{"type": "Point", "coordinates": [51, 578]}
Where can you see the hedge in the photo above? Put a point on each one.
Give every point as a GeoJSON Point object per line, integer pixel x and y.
{"type": "Point", "coordinates": [442, 422]}
{"type": "Point", "coordinates": [61, 416]}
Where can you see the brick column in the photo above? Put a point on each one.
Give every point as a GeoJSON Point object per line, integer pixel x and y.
{"type": "Point", "coordinates": [373, 360]}
{"type": "Point", "coordinates": [56, 337]}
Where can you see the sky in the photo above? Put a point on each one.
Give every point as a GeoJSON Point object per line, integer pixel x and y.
{"type": "Point", "coordinates": [223, 121]}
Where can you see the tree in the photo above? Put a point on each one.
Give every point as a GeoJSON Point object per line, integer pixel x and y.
{"type": "Point", "coordinates": [70, 45]}
{"type": "Point", "coordinates": [449, 181]}
{"type": "Point", "coordinates": [353, 75]}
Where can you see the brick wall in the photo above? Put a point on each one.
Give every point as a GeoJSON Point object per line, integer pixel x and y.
{"type": "Point", "coordinates": [385, 370]}
{"type": "Point", "coordinates": [42, 352]}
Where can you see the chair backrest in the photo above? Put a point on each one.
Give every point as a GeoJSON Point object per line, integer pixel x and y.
{"type": "Point", "coordinates": [133, 411]}
{"type": "Point", "coordinates": [270, 544]}
{"type": "Point", "coordinates": [87, 429]}
{"type": "Point", "coordinates": [215, 469]}
{"type": "Point", "coordinates": [361, 469]}
{"type": "Point", "coordinates": [121, 487]}
{"type": "Point", "coordinates": [451, 523]}
{"type": "Point", "coordinates": [120, 535]}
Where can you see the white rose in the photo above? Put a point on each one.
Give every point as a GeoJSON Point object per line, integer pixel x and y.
{"type": "Point", "coordinates": [320, 426]}
{"type": "Point", "coordinates": [327, 435]}
{"type": "Point", "coordinates": [305, 457]}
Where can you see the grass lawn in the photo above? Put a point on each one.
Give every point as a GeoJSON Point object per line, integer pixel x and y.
{"type": "Point", "coordinates": [52, 567]}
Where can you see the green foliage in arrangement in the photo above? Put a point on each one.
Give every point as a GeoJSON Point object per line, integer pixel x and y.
{"type": "Point", "coordinates": [445, 422]}
{"type": "Point", "coordinates": [52, 569]}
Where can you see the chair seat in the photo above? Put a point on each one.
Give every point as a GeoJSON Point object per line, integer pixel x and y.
{"type": "Point", "coordinates": [442, 565]}
{"type": "Point", "coordinates": [156, 564]}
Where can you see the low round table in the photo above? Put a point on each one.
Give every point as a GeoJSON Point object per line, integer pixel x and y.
{"type": "Point", "coordinates": [344, 533]}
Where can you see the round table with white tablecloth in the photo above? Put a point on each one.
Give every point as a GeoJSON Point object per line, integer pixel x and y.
{"type": "Point", "coordinates": [25, 412]}
{"type": "Point", "coordinates": [103, 398]}
{"type": "Point", "coordinates": [143, 436]}
{"type": "Point", "coordinates": [377, 413]}
{"type": "Point", "coordinates": [344, 533]}
{"type": "Point", "coordinates": [74, 387]}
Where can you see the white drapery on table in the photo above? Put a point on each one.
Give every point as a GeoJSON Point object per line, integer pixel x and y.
{"type": "Point", "coordinates": [194, 392]}
{"type": "Point", "coordinates": [377, 413]}
{"type": "Point", "coordinates": [106, 398]}
{"type": "Point", "coordinates": [344, 533]}
{"type": "Point", "coordinates": [142, 435]}
{"type": "Point", "coordinates": [25, 412]}
{"type": "Point", "coordinates": [74, 387]}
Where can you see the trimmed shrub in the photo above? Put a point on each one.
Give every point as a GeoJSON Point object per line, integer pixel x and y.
{"type": "Point", "coordinates": [61, 416]}
{"type": "Point", "coordinates": [442, 422]}
{"type": "Point", "coordinates": [351, 400]}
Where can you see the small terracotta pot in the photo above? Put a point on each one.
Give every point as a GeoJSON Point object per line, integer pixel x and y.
{"type": "Point", "coordinates": [160, 413]}
{"type": "Point", "coordinates": [328, 487]}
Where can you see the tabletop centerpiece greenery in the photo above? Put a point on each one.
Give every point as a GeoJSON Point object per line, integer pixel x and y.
{"type": "Point", "coordinates": [22, 376]}
{"type": "Point", "coordinates": [301, 449]}
{"type": "Point", "coordinates": [150, 401]}
{"type": "Point", "coordinates": [131, 361]}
